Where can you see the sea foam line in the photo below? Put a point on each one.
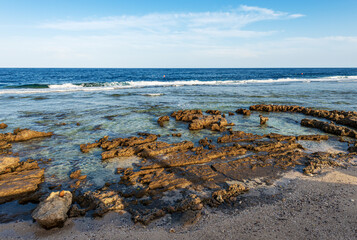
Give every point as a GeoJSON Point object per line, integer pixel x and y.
{"type": "Point", "coordinates": [69, 87]}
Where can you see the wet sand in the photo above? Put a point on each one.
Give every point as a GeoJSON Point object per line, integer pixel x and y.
{"type": "Point", "coordinates": [294, 207]}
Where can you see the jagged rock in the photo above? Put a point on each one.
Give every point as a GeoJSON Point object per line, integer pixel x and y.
{"type": "Point", "coordinates": [76, 211]}
{"type": "Point", "coordinates": [102, 201]}
{"type": "Point", "coordinates": [238, 136]}
{"type": "Point", "coordinates": [114, 144]}
{"type": "Point", "coordinates": [312, 137]}
{"type": "Point", "coordinates": [214, 112]}
{"type": "Point", "coordinates": [3, 125]}
{"type": "Point", "coordinates": [8, 163]}
{"type": "Point", "coordinates": [146, 216]}
{"type": "Point", "coordinates": [340, 117]}
{"type": "Point", "coordinates": [329, 127]}
{"type": "Point", "coordinates": [162, 120]}
{"type": "Point", "coordinates": [245, 112]}
{"type": "Point", "coordinates": [23, 135]}
{"type": "Point", "coordinates": [52, 212]}
{"type": "Point", "coordinates": [226, 195]}
{"type": "Point", "coordinates": [157, 150]}
{"type": "Point", "coordinates": [184, 159]}
{"type": "Point", "coordinates": [77, 175]}
{"type": "Point", "coordinates": [263, 119]}
{"type": "Point", "coordinates": [191, 202]}
{"type": "Point", "coordinates": [318, 160]}
{"type": "Point", "coordinates": [187, 115]}
{"type": "Point", "coordinates": [22, 181]}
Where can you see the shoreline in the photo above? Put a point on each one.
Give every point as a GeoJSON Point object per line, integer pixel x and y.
{"type": "Point", "coordinates": [319, 207]}
{"type": "Point", "coordinates": [185, 187]}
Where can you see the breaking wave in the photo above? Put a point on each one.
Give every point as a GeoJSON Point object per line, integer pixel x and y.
{"type": "Point", "coordinates": [105, 86]}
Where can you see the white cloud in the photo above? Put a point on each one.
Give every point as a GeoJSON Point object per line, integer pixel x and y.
{"type": "Point", "coordinates": [171, 23]}
{"type": "Point", "coordinates": [206, 39]}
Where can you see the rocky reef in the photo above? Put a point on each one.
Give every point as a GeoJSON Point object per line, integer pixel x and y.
{"type": "Point", "coordinates": [176, 177]}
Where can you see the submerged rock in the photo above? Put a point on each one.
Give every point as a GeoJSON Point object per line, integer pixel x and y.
{"type": "Point", "coordinates": [162, 120]}
{"type": "Point", "coordinates": [245, 112]}
{"type": "Point", "coordinates": [52, 212]}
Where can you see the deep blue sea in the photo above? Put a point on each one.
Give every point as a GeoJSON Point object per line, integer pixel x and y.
{"type": "Point", "coordinates": [123, 102]}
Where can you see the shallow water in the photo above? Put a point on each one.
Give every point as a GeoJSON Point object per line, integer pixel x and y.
{"type": "Point", "coordinates": [123, 102]}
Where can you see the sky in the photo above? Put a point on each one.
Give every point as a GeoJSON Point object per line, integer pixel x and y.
{"type": "Point", "coordinates": [182, 33]}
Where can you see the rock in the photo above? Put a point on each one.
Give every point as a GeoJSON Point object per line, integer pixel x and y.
{"type": "Point", "coordinates": [230, 113]}
{"type": "Point", "coordinates": [77, 175]}
{"type": "Point", "coordinates": [76, 211]}
{"type": "Point", "coordinates": [146, 216]}
{"type": "Point", "coordinates": [190, 217]}
{"type": "Point", "coordinates": [15, 185]}
{"type": "Point", "coordinates": [52, 212]}
{"type": "Point", "coordinates": [238, 136]}
{"type": "Point", "coordinates": [101, 201]}
{"type": "Point", "coordinates": [157, 150]}
{"type": "Point", "coordinates": [214, 112]}
{"type": "Point", "coordinates": [263, 119]}
{"type": "Point", "coordinates": [221, 196]}
{"type": "Point", "coordinates": [340, 117]}
{"type": "Point", "coordinates": [312, 137]}
{"type": "Point", "coordinates": [3, 125]}
{"type": "Point", "coordinates": [23, 135]}
{"type": "Point", "coordinates": [176, 134]}
{"type": "Point", "coordinates": [8, 163]}
{"type": "Point", "coordinates": [329, 127]}
{"type": "Point", "coordinates": [245, 112]}
{"type": "Point", "coordinates": [187, 115]}
{"type": "Point", "coordinates": [318, 160]}
{"type": "Point", "coordinates": [162, 120]}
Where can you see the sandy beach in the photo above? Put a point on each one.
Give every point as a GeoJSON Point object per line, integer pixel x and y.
{"type": "Point", "coordinates": [294, 207]}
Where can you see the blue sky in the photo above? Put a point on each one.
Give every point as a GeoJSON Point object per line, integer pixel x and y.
{"type": "Point", "coordinates": [210, 33]}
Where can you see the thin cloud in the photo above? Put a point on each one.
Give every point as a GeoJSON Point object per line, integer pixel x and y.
{"type": "Point", "coordinates": [233, 20]}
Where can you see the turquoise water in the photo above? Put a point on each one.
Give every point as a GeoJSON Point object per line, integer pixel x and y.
{"type": "Point", "coordinates": [123, 102]}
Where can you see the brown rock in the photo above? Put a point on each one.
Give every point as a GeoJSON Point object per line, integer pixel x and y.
{"type": "Point", "coordinates": [222, 196]}
{"type": "Point", "coordinates": [7, 164]}
{"type": "Point", "coordinates": [329, 127]}
{"type": "Point", "coordinates": [214, 112]}
{"type": "Point", "coordinates": [101, 201]}
{"type": "Point", "coordinates": [176, 134]}
{"type": "Point", "coordinates": [340, 117]}
{"type": "Point", "coordinates": [3, 125]}
{"type": "Point", "coordinates": [187, 115]}
{"type": "Point", "coordinates": [23, 135]}
{"type": "Point", "coordinates": [17, 184]}
{"type": "Point", "coordinates": [245, 112]}
{"type": "Point", "coordinates": [263, 119]}
{"type": "Point", "coordinates": [162, 120]}
{"type": "Point", "coordinates": [77, 175]}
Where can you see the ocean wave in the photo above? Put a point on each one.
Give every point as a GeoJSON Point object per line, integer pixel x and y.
{"type": "Point", "coordinates": [105, 86]}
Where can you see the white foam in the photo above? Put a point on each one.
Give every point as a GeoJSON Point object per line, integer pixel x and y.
{"type": "Point", "coordinates": [69, 87]}
{"type": "Point", "coordinates": [153, 94]}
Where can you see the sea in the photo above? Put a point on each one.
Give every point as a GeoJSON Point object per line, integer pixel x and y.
{"type": "Point", "coordinates": [81, 105]}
